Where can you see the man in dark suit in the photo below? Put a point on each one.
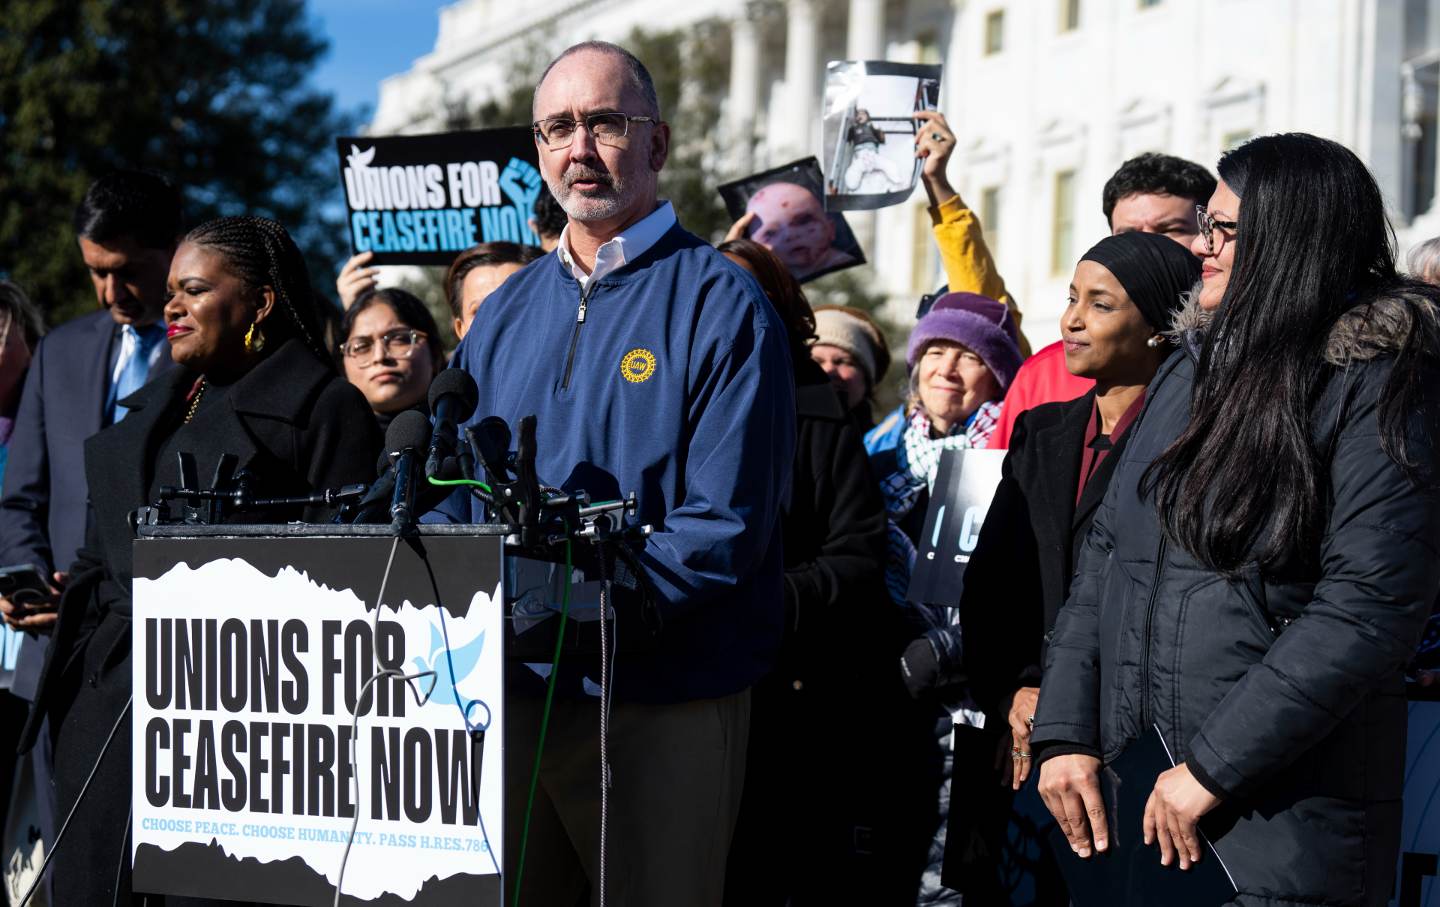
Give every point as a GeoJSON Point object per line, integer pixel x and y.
{"type": "Point", "coordinates": [127, 226]}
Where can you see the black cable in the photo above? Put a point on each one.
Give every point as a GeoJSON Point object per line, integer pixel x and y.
{"type": "Point", "coordinates": [84, 789]}
{"type": "Point", "coordinates": [476, 733]}
{"type": "Point", "coordinates": [124, 852]}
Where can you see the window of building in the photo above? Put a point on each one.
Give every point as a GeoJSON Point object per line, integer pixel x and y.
{"type": "Point", "coordinates": [927, 45]}
{"type": "Point", "coordinates": [1069, 15]}
{"type": "Point", "coordinates": [990, 217]}
{"type": "Point", "coordinates": [994, 31]}
{"type": "Point", "coordinates": [1062, 226]}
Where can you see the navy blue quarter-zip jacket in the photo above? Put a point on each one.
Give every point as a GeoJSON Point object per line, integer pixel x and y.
{"type": "Point", "coordinates": [669, 377]}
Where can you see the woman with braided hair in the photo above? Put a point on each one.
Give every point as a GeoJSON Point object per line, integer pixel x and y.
{"type": "Point", "coordinates": [253, 381]}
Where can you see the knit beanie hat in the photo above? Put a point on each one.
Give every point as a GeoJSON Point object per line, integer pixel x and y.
{"type": "Point", "coordinates": [978, 323]}
{"type": "Point", "coordinates": [837, 327]}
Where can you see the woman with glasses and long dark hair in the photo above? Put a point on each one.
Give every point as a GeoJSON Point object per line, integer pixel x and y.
{"type": "Point", "coordinates": [391, 351]}
{"type": "Point", "coordinates": [1267, 552]}
{"type": "Point", "coordinates": [253, 381]}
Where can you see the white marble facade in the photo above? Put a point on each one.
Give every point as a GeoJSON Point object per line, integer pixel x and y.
{"type": "Point", "coordinates": [1044, 95]}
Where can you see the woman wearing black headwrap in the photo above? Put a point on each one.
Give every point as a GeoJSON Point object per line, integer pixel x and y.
{"type": "Point", "coordinates": [1124, 293]}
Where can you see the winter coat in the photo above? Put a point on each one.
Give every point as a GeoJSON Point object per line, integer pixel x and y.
{"type": "Point", "coordinates": [1019, 574]}
{"type": "Point", "coordinates": [796, 835]}
{"type": "Point", "coordinates": [1015, 583]}
{"type": "Point", "coordinates": [1281, 689]}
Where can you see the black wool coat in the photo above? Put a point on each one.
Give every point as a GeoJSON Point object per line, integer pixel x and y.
{"type": "Point", "coordinates": [1019, 574]}
{"type": "Point", "coordinates": [798, 813]}
{"type": "Point", "coordinates": [1016, 582]}
{"type": "Point", "coordinates": [833, 531]}
{"type": "Point", "coordinates": [299, 428]}
{"type": "Point", "coordinates": [1282, 688]}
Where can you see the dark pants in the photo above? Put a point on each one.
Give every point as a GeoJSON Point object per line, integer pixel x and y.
{"type": "Point", "coordinates": [677, 775]}
{"type": "Point", "coordinates": [91, 867]}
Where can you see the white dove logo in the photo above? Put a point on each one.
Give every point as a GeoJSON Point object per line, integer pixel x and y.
{"type": "Point", "coordinates": [360, 159]}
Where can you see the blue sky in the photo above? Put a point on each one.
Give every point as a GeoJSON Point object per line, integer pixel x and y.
{"type": "Point", "coordinates": [369, 40]}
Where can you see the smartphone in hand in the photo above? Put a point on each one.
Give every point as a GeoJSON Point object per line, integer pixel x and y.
{"type": "Point", "coordinates": [24, 584]}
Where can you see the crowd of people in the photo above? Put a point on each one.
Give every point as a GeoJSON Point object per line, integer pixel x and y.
{"type": "Point", "coordinates": [1218, 516]}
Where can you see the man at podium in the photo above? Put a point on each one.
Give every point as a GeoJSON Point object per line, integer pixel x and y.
{"type": "Point", "coordinates": [652, 364]}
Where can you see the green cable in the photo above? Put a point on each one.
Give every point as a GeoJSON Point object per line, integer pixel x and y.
{"type": "Point", "coordinates": [472, 482]}
{"type": "Point", "coordinates": [544, 725]}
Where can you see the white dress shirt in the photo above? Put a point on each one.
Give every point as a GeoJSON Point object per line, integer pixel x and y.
{"type": "Point", "coordinates": [617, 252]}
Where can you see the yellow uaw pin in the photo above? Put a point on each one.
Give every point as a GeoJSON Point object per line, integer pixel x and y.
{"type": "Point", "coordinates": [637, 366]}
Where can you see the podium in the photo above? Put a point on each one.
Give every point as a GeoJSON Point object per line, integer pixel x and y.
{"type": "Point", "coordinates": [255, 654]}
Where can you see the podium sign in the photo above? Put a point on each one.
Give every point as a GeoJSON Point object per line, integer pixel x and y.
{"type": "Point", "coordinates": [250, 657]}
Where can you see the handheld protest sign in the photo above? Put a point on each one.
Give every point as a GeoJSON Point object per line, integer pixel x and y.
{"type": "Point", "coordinates": [422, 199]}
{"type": "Point", "coordinates": [868, 131]}
{"type": "Point", "coordinates": [791, 220]}
{"type": "Point", "coordinates": [965, 482]}
{"type": "Point", "coordinates": [250, 661]}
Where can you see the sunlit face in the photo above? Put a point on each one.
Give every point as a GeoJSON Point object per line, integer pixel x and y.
{"type": "Point", "coordinates": [209, 311]}
{"type": "Point", "coordinates": [478, 284]}
{"type": "Point", "coordinates": [845, 373]}
{"type": "Point", "coordinates": [1104, 332]}
{"type": "Point", "coordinates": [790, 222]}
{"type": "Point", "coordinates": [1167, 215]}
{"type": "Point", "coordinates": [952, 383]}
{"type": "Point", "coordinates": [594, 182]}
{"type": "Point", "coordinates": [389, 382]}
{"type": "Point", "coordinates": [129, 279]}
{"type": "Point", "coordinates": [1217, 259]}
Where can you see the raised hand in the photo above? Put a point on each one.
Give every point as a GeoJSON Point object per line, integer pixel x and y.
{"type": "Point", "coordinates": [355, 278]}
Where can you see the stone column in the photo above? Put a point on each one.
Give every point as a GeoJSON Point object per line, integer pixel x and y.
{"type": "Point", "coordinates": [744, 89]}
{"type": "Point", "coordinates": [865, 33]}
{"type": "Point", "coordinates": [802, 75]}
{"type": "Point", "coordinates": [865, 40]}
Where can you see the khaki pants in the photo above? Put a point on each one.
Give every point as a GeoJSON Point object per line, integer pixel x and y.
{"type": "Point", "coordinates": [677, 772]}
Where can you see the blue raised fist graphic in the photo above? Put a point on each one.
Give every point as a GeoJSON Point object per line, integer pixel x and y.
{"type": "Point", "coordinates": [521, 183]}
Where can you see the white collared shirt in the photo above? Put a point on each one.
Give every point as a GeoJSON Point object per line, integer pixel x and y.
{"type": "Point", "coordinates": [618, 251]}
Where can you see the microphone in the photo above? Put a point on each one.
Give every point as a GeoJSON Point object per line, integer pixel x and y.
{"type": "Point", "coordinates": [492, 438]}
{"type": "Point", "coordinates": [403, 433]}
{"type": "Point", "coordinates": [407, 434]}
{"type": "Point", "coordinates": [453, 396]}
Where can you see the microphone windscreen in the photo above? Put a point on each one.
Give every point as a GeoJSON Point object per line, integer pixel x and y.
{"type": "Point", "coordinates": [410, 430]}
{"type": "Point", "coordinates": [455, 381]}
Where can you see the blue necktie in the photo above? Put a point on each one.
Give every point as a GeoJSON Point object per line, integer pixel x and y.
{"type": "Point", "coordinates": [136, 368]}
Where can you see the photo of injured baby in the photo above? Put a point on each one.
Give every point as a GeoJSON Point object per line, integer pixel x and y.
{"type": "Point", "coordinates": [868, 129]}
{"type": "Point", "coordinates": [782, 211]}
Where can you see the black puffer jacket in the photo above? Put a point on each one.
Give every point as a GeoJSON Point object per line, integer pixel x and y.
{"type": "Point", "coordinates": [1281, 690]}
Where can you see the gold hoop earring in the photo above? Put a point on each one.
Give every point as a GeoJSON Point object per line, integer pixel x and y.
{"type": "Point", "coordinates": [254, 339]}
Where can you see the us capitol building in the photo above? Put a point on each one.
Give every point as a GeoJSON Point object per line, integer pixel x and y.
{"type": "Point", "coordinates": [1047, 98]}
